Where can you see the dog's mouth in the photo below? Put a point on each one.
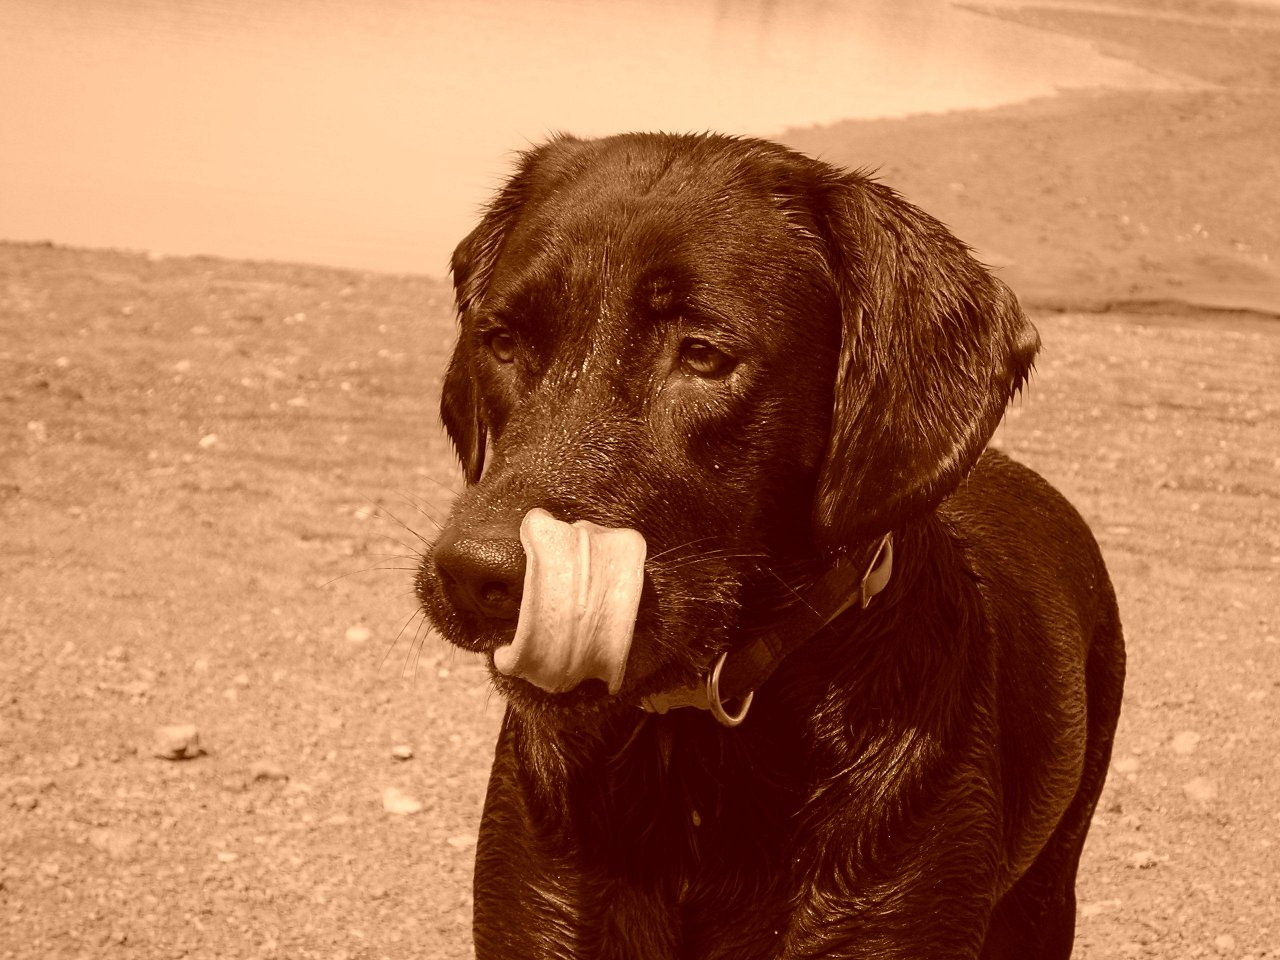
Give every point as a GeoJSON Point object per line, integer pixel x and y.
{"type": "Point", "coordinates": [581, 595]}
{"type": "Point", "coordinates": [596, 627]}
{"type": "Point", "coordinates": [554, 613]}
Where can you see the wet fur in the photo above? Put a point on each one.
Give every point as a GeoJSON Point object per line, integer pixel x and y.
{"type": "Point", "coordinates": [917, 781]}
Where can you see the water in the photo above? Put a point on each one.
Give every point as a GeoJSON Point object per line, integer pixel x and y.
{"type": "Point", "coordinates": [367, 135]}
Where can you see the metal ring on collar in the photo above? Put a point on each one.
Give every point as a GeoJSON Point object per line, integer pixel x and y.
{"type": "Point", "coordinates": [716, 705]}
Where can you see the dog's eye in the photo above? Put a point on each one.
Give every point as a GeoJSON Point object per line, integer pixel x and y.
{"type": "Point", "coordinates": [700, 359]}
{"type": "Point", "coordinates": [502, 345]}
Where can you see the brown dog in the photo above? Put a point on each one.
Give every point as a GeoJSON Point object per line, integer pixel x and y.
{"type": "Point", "coordinates": [735, 404]}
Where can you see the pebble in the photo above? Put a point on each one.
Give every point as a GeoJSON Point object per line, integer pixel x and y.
{"type": "Point", "coordinates": [399, 803]}
{"type": "Point", "coordinates": [402, 751]}
{"type": "Point", "coordinates": [1225, 943]}
{"type": "Point", "coordinates": [358, 633]}
{"type": "Point", "coordinates": [1201, 789]}
{"type": "Point", "coordinates": [235, 783]}
{"type": "Point", "coordinates": [117, 844]}
{"type": "Point", "coordinates": [1185, 742]}
{"type": "Point", "coordinates": [177, 742]}
{"type": "Point", "coordinates": [266, 770]}
{"type": "Point", "coordinates": [462, 841]}
{"type": "Point", "coordinates": [136, 689]}
{"type": "Point", "coordinates": [1144, 860]}
{"type": "Point", "coordinates": [208, 440]}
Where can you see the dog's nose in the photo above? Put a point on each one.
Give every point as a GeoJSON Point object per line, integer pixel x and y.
{"type": "Point", "coordinates": [483, 574]}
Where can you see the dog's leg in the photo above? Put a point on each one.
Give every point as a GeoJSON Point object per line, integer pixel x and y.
{"type": "Point", "coordinates": [1036, 919]}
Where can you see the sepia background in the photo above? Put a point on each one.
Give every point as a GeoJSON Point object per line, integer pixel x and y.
{"type": "Point", "coordinates": [217, 464]}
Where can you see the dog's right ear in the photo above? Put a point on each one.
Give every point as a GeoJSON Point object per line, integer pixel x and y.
{"type": "Point", "coordinates": [472, 267]}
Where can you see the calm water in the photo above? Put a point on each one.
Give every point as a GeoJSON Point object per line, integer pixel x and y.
{"type": "Point", "coordinates": [367, 134]}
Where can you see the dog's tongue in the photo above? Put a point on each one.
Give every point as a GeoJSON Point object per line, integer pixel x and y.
{"type": "Point", "coordinates": [582, 587]}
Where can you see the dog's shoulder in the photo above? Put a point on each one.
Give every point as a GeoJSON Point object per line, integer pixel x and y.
{"type": "Point", "coordinates": [1021, 537]}
{"type": "Point", "coordinates": [1001, 495]}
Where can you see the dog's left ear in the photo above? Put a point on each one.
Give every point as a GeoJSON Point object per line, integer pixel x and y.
{"type": "Point", "coordinates": [932, 349]}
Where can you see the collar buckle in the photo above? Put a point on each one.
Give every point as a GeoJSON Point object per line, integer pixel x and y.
{"type": "Point", "coordinates": [716, 705]}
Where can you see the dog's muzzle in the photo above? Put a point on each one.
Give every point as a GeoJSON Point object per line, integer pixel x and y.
{"type": "Point", "coordinates": [582, 585]}
{"type": "Point", "coordinates": [581, 594]}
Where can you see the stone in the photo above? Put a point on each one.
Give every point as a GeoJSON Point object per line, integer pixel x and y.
{"type": "Point", "coordinates": [177, 742]}
{"type": "Point", "coordinates": [267, 770]}
{"type": "Point", "coordinates": [1201, 789]}
{"type": "Point", "coordinates": [399, 803]}
{"type": "Point", "coordinates": [1185, 742]}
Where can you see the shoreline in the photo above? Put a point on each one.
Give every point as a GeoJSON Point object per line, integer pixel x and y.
{"type": "Point", "coordinates": [1111, 198]}
{"type": "Point", "coordinates": [1091, 199]}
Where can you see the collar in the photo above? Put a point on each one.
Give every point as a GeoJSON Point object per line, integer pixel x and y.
{"type": "Point", "coordinates": [738, 678]}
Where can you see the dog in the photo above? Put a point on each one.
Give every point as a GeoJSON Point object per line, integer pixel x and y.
{"type": "Point", "coordinates": [795, 666]}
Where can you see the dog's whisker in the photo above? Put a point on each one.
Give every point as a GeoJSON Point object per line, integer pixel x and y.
{"type": "Point", "coordinates": [427, 508]}
{"type": "Point", "coordinates": [680, 546]}
{"type": "Point", "coordinates": [378, 508]}
{"type": "Point", "coordinates": [383, 511]}
{"type": "Point", "coordinates": [449, 488]}
{"type": "Point", "coordinates": [414, 653]}
{"type": "Point", "coordinates": [413, 557]}
{"type": "Point", "coordinates": [411, 548]}
{"type": "Point", "coordinates": [375, 568]}
{"type": "Point", "coordinates": [726, 555]}
{"type": "Point", "coordinates": [395, 642]}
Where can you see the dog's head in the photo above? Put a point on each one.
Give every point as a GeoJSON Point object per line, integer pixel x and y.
{"type": "Point", "coordinates": [755, 360]}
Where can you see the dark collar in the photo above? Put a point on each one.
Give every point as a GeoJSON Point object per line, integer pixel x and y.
{"type": "Point", "coordinates": [736, 675]}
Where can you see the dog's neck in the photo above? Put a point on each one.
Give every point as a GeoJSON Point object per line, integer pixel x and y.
{"type": "Point", "coordinates": [735, 675]}
{"type": "Point", "coordinates": [857, 652]}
